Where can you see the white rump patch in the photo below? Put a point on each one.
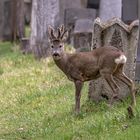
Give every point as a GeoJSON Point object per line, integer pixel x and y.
{"type": "Point", "coordinates": [121, 59]}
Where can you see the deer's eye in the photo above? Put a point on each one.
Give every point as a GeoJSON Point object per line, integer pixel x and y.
{"type": "Point", "coordinates": [52, 46]}
{"type": "Point", "coordinates": [60, 46]}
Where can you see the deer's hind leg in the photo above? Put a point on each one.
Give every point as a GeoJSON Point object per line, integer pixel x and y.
{"type": "Point", "coordinates": [122, 77]}
{"type": "Point", "coordinates": [130, 84]}
{"type": "Point", "coordinates": [119, 74]}
{"type": "Point", "coordinates": [107, 75]}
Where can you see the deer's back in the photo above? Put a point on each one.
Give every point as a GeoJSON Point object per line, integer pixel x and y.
{"type": "Point", "coordinates": [82, 59]}
{"type": "Point", "coordinates": [88, 64]}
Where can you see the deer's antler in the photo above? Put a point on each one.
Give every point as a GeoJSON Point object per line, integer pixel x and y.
{"type": "Point", "coordinates": [61, 31]}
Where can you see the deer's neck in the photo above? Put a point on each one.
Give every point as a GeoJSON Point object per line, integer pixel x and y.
{"type": "Point", "coordinates": [61, 63]}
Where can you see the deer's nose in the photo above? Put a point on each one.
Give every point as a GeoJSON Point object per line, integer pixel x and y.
{"type": "Point", "coordinates": [56, 54]}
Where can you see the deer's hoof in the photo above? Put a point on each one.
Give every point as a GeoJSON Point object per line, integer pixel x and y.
{"type": "Point", "coordinates": [115, 96]}
{"type": "Point", "coordinates": [130, 112]}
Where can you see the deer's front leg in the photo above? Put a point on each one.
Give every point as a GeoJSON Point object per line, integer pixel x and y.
{"type": "Point", "coordinates": [78, 87]}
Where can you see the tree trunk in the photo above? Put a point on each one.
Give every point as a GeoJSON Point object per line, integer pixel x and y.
{"type": "Point", "coordinates": [44, 13]}
{"type": "Point", "coordinates": [20, 19]}
{"type": "Point", "coordinates": [18, 26]}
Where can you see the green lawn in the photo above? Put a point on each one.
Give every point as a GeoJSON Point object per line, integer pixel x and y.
{"type": "Point", "coordinates": [37, 101]}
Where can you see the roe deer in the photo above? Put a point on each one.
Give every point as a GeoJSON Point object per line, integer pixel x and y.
{"type": "Point", "coordinates": [79, 67]}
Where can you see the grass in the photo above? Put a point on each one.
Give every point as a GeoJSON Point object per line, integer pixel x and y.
{"type": "Point", "coordinates": [37, 101]}
{"type": "Point", "coordinates": [27, 31]}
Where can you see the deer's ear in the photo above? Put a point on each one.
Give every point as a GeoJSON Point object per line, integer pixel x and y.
{"type": "Point", "coordinates": [65, 35]}
{"type": "Point", "coordinates": [51, 32]}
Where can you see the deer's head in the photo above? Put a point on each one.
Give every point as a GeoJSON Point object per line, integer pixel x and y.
{"type": "Point", "coordinates": [56, 40]}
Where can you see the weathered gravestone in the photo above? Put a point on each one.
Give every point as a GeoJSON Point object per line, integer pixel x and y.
{"type": "Point", "coordinates": [129, 15]}
{"type": "Point", "coordinates": [74, 14]}
{"type": "Point", "coordinates": [110, 9]}
{"type": "Point", "coordinates": [83, 34]}
{"type": "Point", "coordinates": [114, 32]}
{"type": "Point", "coordinates": [67, 4]}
